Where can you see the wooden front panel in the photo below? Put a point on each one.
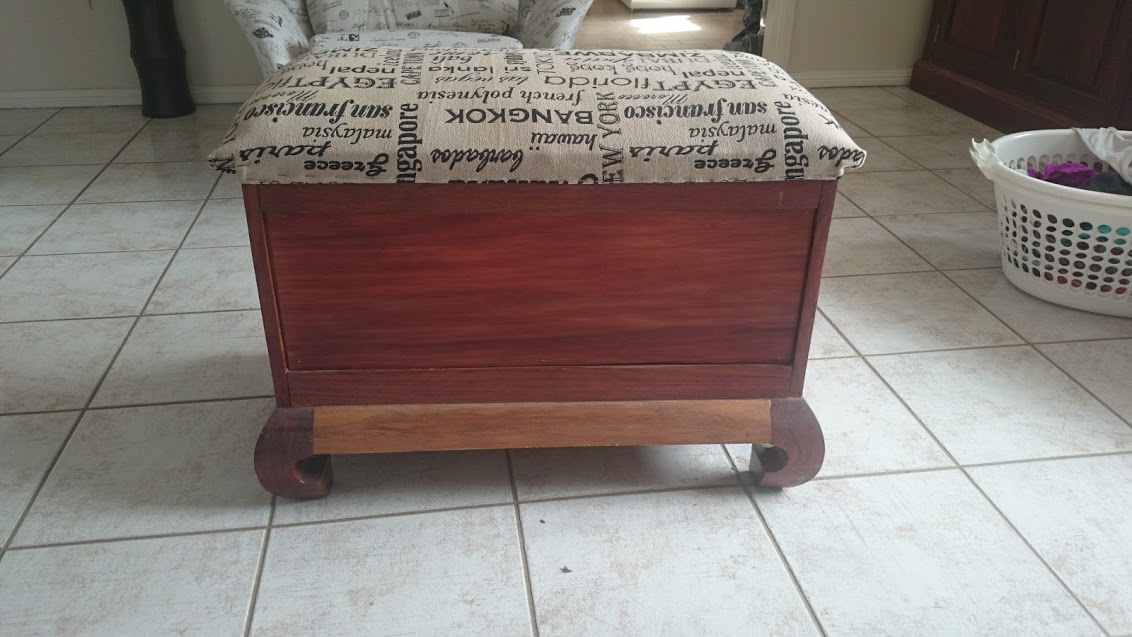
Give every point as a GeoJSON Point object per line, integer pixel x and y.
{"type": "Point", "coordinates": [977, 37]}
{"type": "Point", "coordinates": [521, 198]}
{"type": "Point", "coordinates": [539, 384]}
{"type": "Point", "coordinates": [1070, 41]}
{"type": "Point", "coordinates": [1077, 57]}
{"type": "Point", "coordinates": [976, 25]}
{"type": "Point", "coordinates": [465, 286]}
{"type": "Point", "coordinates": [395, 428]}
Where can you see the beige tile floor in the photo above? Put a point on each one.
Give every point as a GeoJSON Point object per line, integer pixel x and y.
{"type": "Point", "coordinates": [977, 482]}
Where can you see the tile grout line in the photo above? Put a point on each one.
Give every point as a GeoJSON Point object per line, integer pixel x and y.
{"type": "Point", "coordinates": [138, 405]}
{"type": "Point", "coordinates": [528, 586]}
{"type": "Point", "coordinates": [79, 194]}
{"type": "Point", "coordinates": [971, 480]}
{"type": "Point", "coordinates": [737, 474]}
{"type": "Point", "coordinates": [170, 249]}
{"type": "Point", "coordinates": [105, 372]}
{"type": "Point", "coordinates": [987, 498]}
{"type": "Point", "coordinates": [395, 514]}
{"type": "Point", "coordinates": [937, 351]}
{"type": "Point", "coordinates": [1081, 456]}
{"type": "Point", "coordinates": [841, 113]}
{"type": "Point", "coordinates": [1004, 323]}
{"type": "Point", "coordinates": [360, 518]}
{"type": "Point", "coordinates": [922, 167]}
{"type": "Point", "coordinates": [611, 494]}
{"type": "Point", "coordinates": [877, 474]}
{"type": "Point", "coordinates": [944, 272]}
{"type": "Point", "coordinates": [51, 223]}
{"type": "Point", "coordinates": [131, 538]}
{"type": "Point", "coordinates": [29, 133]}
{"type": "Point", "coordinates": [114, 159]}
{"type": "Point", "coordinates": [972, 465]}
{"type": "Point", "coordinates": [105, 203]}
{"type": "Point", "coordinates": [6, 545]}
{"type": "Point", "coordinates": [74, 426]}
{"type": "Point", "coordinates": [1126, 421]}
{"type": "Point", "coordinates": [120, 316]}
{"type": "Point", "coordinates": [1042, 354]}
{"type": "Point", "coordinates": [893, 391]}
{"type": "Point", "coordinates": [1072, 594]}
{"type": "Point", "coordinates": [514, 492]}
{"type": "Point", "coordinates": [931, 268]}
{"type": "Point", "coordinates": [748, 493]}
{"type": "Point", "coordinates": [259, 569]}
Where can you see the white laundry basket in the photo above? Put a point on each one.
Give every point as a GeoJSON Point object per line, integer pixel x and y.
{"type": "Point", "coordinates": [1065, 245]}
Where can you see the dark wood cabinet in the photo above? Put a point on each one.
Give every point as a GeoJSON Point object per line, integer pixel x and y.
{"type": "Point", "coordinates": [1025, 64]}
{"type": "Point", "coordinates": [974, 38]}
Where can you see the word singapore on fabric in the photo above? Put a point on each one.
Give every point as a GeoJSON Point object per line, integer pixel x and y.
{"type": "Point", "coordinates": [380, 114]}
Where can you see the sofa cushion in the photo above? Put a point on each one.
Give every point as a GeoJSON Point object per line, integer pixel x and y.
{"type": "Point", "coordinates": [415, 38]}
{"type": "Point", "coordinates": [369, 114]}
{"type": "Point", "coordinates": [477, 16]}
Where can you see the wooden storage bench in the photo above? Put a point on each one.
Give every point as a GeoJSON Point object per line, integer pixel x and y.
{"type": "Point", "coordinates": [442, 314]}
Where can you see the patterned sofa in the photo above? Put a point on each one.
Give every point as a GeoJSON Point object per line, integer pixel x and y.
{"type": "Point", "coordinates": [281, 30]}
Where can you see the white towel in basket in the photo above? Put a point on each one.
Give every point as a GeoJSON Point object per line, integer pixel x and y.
{"type": "Point", "coordinates": [1111, 146]}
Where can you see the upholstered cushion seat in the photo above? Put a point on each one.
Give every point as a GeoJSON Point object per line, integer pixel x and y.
{"type": "Point", "coordinates": [414, 38]}
{"type": "Point", "coordinates": [439, 116]}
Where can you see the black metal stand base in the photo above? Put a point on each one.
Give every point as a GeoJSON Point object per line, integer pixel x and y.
{"type": "Point", "coordinates": [159, 57]}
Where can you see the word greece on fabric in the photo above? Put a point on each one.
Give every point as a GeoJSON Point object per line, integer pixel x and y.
{"type": "Point", "coordinates": [386, 115]}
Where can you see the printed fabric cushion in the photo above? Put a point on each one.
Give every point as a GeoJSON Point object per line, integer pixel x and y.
{"type": "Point", "coordinates": [477, 16]}
{"type": "Point", "coordinates": [384, 115]}
{"type": "Point", "coordinates": [415, 38]}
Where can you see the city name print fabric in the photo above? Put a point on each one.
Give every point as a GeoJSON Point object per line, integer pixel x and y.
{"type": "Point", "coordinates": [388, 115]}
{"type": "Point", "coordinates": [415, 38]}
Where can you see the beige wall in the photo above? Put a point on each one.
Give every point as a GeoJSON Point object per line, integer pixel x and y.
{"type": "Point", "coordinates": [84, 44]}
{"type": "Point", "coordinates": [833, 36]}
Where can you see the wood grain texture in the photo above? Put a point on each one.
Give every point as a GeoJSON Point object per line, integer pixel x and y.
{"type": "Point", "coordinates": [537, 384]}
{"type": "Point", "coordinates": [285, 462]}
{"type": "Point", "coordinates": [1029, 64]}
{"type": "Point", "coordinates": [420, 317]}
{"type": "Point", "coordinates": [976, 37]}
{"type": "Point", "coordinates": [811, 290]}
{"type": "Point", "coordinates": [1076, 57]}
{"type": "Point", "coordinates": [976, 24]}
{"type": "Point", "coordinates": [992, 106]}
{"type": "Point", "coordinates": [655, 284]}
{"type": "Point", "coordinates": [1069, 41]}
{"type": "Point", "coordinates": [797, 447]}
{"type": "Point", "coordinates": [388, 428]}
{"type": "Point", "coordinates": [261, 261]}
{"type": "Point", "coordinates": [418, 199]}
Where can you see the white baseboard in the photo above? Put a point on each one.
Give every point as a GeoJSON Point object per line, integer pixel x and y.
{"type": "Point", "coordinates": [116, 96]}
{"type": "Point", "coordinates": [827, 79]}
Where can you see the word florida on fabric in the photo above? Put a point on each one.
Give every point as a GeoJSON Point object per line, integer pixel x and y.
{"type": "Point", "coordinates": [387, 115]}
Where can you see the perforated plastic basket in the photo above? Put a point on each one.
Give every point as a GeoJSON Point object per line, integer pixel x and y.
{"type": "Point", "coordinates": [1065, 245]}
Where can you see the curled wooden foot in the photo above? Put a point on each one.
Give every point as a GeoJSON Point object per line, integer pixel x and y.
{"type": "Point", "coordinates": [284, 457]}
{"type": "Point", "coordinates": [796, 450]}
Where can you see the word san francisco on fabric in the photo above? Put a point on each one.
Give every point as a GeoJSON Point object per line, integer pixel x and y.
{"type": "Point", "coordinates": [390, 115]}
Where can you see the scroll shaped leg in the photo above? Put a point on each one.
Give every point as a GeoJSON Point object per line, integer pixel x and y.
{"type": "Point", "coordinates": [284, 458]}
{"type": "Point", "coordinates": [796, 450]}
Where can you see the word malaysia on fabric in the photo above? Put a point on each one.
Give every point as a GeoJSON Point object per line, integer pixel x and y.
{"type": "Point", "coordinates": [388, 115]}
